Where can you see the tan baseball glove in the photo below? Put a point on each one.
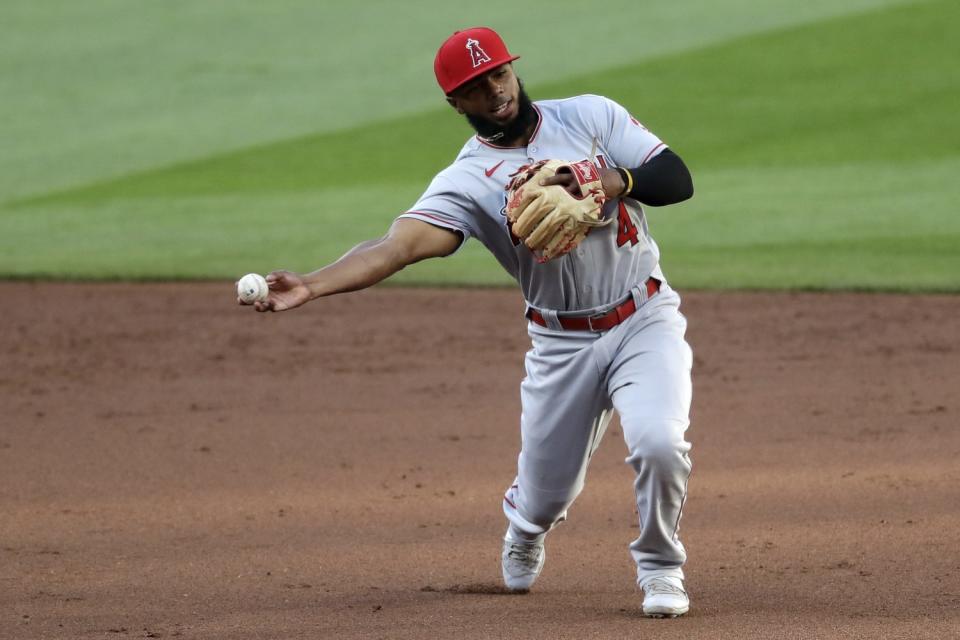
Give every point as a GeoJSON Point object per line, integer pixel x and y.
{"type": "Point", "coordinates": [550, 220]}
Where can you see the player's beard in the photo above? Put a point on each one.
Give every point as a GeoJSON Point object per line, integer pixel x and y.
{"type": "Point", "coordinates": [492, 131]}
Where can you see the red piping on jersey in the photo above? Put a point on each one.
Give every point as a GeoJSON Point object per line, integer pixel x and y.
{"type": "Point", "coordinates": [651, 152]}
{"type": "Point", "coordinates": [532, 137]}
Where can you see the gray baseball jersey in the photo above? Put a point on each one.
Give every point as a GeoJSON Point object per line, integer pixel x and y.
{"type": "Point", "coordinates": [575, 379]}
{"type": "Point", "coordinates": [468, 196]}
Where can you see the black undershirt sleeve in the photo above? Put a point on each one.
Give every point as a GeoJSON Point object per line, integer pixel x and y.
{"type": "Point", "coordinates": [662, 180]}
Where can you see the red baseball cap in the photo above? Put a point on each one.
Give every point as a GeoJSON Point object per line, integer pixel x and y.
{"type": "Point", "coordinates": [467, 54]}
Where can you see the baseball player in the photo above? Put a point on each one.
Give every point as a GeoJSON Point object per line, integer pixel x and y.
{"type": "Point", "coordinates": [605, 326]}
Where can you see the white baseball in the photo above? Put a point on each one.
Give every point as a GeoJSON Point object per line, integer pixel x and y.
{"type": "Point", "coordinates": [252, 288]}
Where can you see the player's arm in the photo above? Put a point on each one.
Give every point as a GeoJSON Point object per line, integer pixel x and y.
{"type": "Point", "coordinates": [662, 180]}
{"type": "Point", "coordinates": [642, 167]}
{"type": "Point", "coordinates": [408, 241]}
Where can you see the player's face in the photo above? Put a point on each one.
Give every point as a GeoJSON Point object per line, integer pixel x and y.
{"type": "Point", "coordinates": [492, 96]}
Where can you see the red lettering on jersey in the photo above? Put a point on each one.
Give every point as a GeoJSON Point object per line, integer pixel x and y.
{"type": "Point", "coordinates": [503, 211]}
{"type": "Point", "coordinates": [626, 230]}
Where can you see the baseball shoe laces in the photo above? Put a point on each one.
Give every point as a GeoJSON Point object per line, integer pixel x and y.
{"type": "Point", "coordinates": [521, 563]}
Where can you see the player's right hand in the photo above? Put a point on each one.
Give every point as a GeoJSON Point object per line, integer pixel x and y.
{"type": "Point", "coordinates": [287, 291]}
{"type": "Point", "coordinates": [610, 181]}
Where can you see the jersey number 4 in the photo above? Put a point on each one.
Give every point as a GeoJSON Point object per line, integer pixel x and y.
{"type": "Point", "coordinates": [626, 230]}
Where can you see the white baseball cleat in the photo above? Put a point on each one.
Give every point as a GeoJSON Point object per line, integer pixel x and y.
{"type": "Point", "coordinates": [664, 597]}
{"type": "Point", "coordinates": [521, 563]}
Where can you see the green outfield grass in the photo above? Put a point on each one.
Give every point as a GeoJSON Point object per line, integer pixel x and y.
{"type": "Point", "coordinates": [820, 140]}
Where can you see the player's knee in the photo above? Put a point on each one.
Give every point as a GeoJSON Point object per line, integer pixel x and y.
{"type": "Point", "coordinates": [660, 446]}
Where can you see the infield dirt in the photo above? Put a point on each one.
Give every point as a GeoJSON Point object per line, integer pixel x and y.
{"type": "Point", "coordinates": [172, 465]}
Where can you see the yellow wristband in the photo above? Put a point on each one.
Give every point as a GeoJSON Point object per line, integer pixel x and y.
{"type": "Point", "coordinates": [628, 181]}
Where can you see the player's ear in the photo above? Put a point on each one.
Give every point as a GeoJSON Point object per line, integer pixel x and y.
{"type": "Point", "coordinates": [453, 103]}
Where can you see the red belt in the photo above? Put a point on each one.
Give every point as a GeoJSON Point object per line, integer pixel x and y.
{"type": "Point", "coordinates": [600, 322]}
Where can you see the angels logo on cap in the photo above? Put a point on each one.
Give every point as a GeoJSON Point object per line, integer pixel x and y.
{"type": "Point", "coordinates": [453, 69]}
{"type": "Point", "coordinates": [477, 55]}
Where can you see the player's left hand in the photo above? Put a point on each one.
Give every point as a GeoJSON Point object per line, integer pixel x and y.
{"type": "Point", "coordinates": [610, 181]}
